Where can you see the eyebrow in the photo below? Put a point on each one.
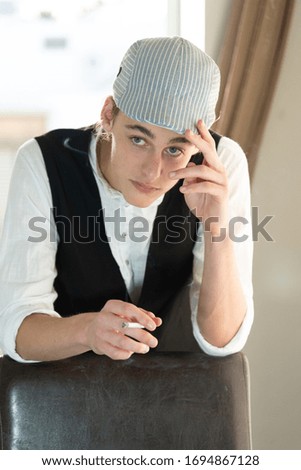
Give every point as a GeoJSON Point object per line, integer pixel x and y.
{"type": "Point", "coordinates": [144, 130]}
{"type": "Point", "coordinates": [148, 133]}
{"type": "Point", "coordinates": [180, 140]}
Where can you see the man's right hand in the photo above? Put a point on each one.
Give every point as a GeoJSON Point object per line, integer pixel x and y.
{"type": "Point", "coordinates": [107, 335]}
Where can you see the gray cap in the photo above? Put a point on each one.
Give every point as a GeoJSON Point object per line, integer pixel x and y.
{"type": "Point", "coordinates": [168, 82]}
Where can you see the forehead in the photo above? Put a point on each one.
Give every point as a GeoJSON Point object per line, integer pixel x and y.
{"type": "Point", "coordinates": [151, 131]}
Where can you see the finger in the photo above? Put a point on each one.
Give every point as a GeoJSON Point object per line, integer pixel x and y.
{"type": "Point", "coordinates": [113, 352]}
{"type": "Point", "coordinates": [131, 313]}
{"type": "Point", "coordinates": [109, 321]}
{"type": "Point", "coordinates": [183, 174]}
{"type": "Point", "coordinates": [125, 343]}
{"type": "Point", "coordinates": [204, 132]}
{"type": "Point", "coordinates": [205, 143]}
{"type": "Point", "coordinates": [193, 172]}
{"type": "Point", "coordinates": [204, 187]}
{"type": "Point", "coordinates": [142, 336]}
{"type": "Point", "coordinates": [189, 176]}
{"type": "Point", "coordinates": [157, 320]}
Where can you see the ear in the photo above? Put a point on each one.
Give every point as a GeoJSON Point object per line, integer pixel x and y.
{"type": "Point", "coordinates": [106, 115]}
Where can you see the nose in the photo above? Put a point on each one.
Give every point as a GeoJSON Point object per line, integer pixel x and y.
{"type": "Point", "coordinates": [152, 167]}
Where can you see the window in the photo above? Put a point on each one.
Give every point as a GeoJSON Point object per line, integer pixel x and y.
{"type": "Point", "coordinates": [7, 8]}
{"type": "Point", "coordinates": [61, 61]}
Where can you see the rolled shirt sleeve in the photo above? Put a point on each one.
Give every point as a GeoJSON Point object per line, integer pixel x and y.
{"type": "Point", "coordinates": [28, 247]}
{"type": "Point", "coordinates": [234, 160]}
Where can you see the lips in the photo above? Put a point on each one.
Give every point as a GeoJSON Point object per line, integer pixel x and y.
{"type": "Point", "coordinates": [145, 188]}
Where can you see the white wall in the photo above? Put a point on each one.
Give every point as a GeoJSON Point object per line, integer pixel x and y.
{"type": "Point", "coordinates": [274, 347]}
{"type": "Point", "coordinates": [217, 14]}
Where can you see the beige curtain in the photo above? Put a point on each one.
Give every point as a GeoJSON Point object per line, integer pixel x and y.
{"type": "Point", "coordinates": [250, 60]}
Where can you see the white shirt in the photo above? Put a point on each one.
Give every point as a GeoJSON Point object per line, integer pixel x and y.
{"type": "Point", "coordinates": [27, 265]}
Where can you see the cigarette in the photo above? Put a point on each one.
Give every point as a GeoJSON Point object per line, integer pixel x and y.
{"type": "Point", "coordinates": [126, 324]}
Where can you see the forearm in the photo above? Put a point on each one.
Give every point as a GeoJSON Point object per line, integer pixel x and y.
{"type": "Point", "coordinates": [45, 338]}
{"type": "Point", "coordinates": [222, 305]}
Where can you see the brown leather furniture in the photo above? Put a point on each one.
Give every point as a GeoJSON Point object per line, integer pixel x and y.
{"type": "Point", "coordinates": [156, 401]}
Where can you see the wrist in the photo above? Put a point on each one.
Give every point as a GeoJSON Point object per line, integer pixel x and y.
{"type": "Point", "coordinates": [82, 325]}
{"type": "Point", "coordinates": [217, 239]}
{"type": "Point", "coordinates": [215, 229]}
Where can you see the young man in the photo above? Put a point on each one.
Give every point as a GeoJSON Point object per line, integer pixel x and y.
{"type": "Point", "coordinates": [105, 226]}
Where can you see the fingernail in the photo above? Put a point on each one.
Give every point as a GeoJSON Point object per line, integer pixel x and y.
{"type": "Point", "coordinates": [146, 350]}
{"type": "Point", "coordinates": [172, 174]}
{"type": "Point", "coordinates": [151, 326]}
{"type": "Point", "coordinates": [153, 343]}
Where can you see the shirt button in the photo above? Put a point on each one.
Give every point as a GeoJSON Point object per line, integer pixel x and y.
{"type": "Point", "coordinates": [127, 262]}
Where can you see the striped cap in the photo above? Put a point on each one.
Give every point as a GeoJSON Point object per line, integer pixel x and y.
{"type": "Point", "coordinates": [167, 82]}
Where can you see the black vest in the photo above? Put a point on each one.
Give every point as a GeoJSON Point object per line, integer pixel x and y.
{"type": "Point", "coordinates": [88, 275]}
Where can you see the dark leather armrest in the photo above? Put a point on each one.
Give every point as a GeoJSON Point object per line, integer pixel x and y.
{"type": "Point", "coordinates": [156, 401]}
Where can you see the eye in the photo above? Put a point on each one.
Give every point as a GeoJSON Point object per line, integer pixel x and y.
{"type": "Point", "coordinates": [138, 141]}
{"type": "Point", "coordinates": [174, 151]}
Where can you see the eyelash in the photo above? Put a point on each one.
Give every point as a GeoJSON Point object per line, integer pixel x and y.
{"type": "Point", "coordinates": [178, 154]}
{"type": "Point", "coordinates": [137, 138]}
{"type": "Point", "coordinates": [143, 142]}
